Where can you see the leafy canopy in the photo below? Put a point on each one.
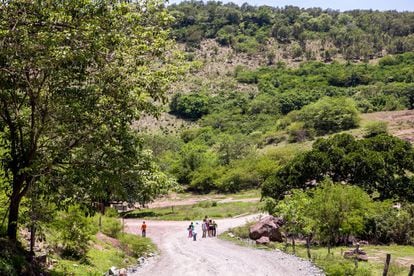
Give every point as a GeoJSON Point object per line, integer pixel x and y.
{"type": "Point", "coordinates": [74, 75]}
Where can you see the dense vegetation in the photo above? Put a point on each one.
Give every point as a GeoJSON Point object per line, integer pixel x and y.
{"type": "Point", "coordinates": [233, 145]}
{"type": "Point", "coordinates": [382, 165]}
{"type": "Point", "coordinates": [358, 34]}
{"type": "Point", "coordinates": [74, 76]}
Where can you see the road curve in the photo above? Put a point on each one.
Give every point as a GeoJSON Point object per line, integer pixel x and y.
{"type": "Point", "coordinates": [211, 256]}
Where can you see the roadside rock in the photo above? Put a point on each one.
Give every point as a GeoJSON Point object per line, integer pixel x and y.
{"type": "Point", "coordinates": [357, 253]}
{"type": "Point", "coordinates": [267, 227]}
{"type": "Point", "coordinates": [263, 240]}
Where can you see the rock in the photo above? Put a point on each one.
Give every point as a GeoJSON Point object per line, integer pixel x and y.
{"type": "Point", "coordinates": [112, 271]}
{"type": "Point", "coordinates": [267, 227]}
{"type": "Point", "coordinates": [359, 254]}
{"type": "Point", "coordinates": [263, 240]}
{"type": "Point", "coordinates": [122, 272]}
{"type": "Point", "coordinates": [231, 235]}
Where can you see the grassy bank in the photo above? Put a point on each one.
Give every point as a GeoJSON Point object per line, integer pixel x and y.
{"type": "Point", "coordinates": [334, 264]}
{"type": "Point", "coordinates": [199, 210]}
{"type": "Point", "coordinates": [105, 253]}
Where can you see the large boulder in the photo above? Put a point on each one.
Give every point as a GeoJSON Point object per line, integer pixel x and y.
{"type": "Point", "coordinates": [267, 227]}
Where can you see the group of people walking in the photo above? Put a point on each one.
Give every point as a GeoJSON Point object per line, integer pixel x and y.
{"type": "Point", "coordinates": [208, 227]}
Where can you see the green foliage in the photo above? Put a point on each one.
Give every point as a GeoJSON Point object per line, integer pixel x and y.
{"type": "Point", "coordinates": [338, 211]}
{"type": "Point", "coordinates": [244, 75]}
{"type": "Point", "coordinates": [330, 212]}
{"type": "Point", "coordinates": [192, 106]}
{"type": "Point", "coordinates": [328, 115]}
{"type": "Point", "coordinates": [136, 246]}
{"type": "Point", "coordinates": [68, 123]}
{"type": "Point", "coordinates": [111, 212]}
{"type": "Point", "coordinates": [299, 133]}
{"type": "Point", "coordinates": [111, 226]}
{"type": "Point", "coordinates": [294, 210]}
{"type": "Point", "coordinates": [381, 164]}
{"type": "Point", "coordinates": [375, 128]}
{"type": "Point", "coordinates": [12, 259]}
{"type": "Point", "coordinates": [354, 34]}
{"type": "Point", "coordinates": [72, 233]}
{"type": "Point", "coordinates": [390, 224]}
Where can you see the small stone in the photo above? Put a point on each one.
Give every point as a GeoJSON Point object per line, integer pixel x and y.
{"type": "Point", "coordinates": [263, 240]}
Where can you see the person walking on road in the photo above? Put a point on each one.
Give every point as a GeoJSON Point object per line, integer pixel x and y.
{"type": "Point", "coordinates": [143, 229]}
{"type": "Point", "coordinates": [204, 227]}
{"type": "Point", "coordinates": [214, 228]}
{"type": "Point", "coordinates": [190, 230]}
{"type": "Point", "coordinates": [195, 232]}
{"type": "Point", "coordinates": [210, 228]}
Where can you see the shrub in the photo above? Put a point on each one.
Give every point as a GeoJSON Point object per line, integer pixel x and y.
{"type": "Point", "coordinates": [246, 76]}
{"type": "Point", "coordinates": [136, 246]}
{"type": "Point", "coordinates": [12, 259]}
{"type": "Point", "coordinates": [298, 133]}
{"type": "Point", "coordinates": [73, 232]}
{"type": "Point", "coordinates": [111, 212]}
{"type": "Point", "coordinates": [375, 128]}
{"type": "Point", "coordinates": [111, 226]}
{"type": "Point", "coordinates": [192, 106]}
{"type": "Point", "coordinates": [330, 115]}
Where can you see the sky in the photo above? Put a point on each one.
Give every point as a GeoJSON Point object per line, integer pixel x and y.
{"type": "Point", "coordinates": [343, 5]}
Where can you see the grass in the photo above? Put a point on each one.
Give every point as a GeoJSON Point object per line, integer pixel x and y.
{"type": "Point", "coordinates": [334, 264]}
{"type": "Point", "coordinates": [103, 255]}
{"type": "Point", "coordinates": [252, 193]}
{"type": "Point", "coordinates": [197, 211]}
{"type": "Point", "coordinates": [98, 260]}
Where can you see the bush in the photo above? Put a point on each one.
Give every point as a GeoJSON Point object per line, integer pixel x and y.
{"type": "Point", "coordinates": [298, 133]}
{"type": "Point", "coordinates": [375, 128]}
{"type": "Point", "coordinates": [390, 224]}
{"type": "Point", "coordinates": [73, 232]}
{"type": "Point", "coordinates": [12, 259]}
{"type": "Point", "coordinates": [111, 226]}
{"type": "Point", "coordinates": [111, 212]}
{"type": "Point", "coordinates": [330, 115]}
{"type": "Point", "coordinates": [136, 246]}
{"type": "Point", "coordinates": [246, 76]}
{"type": "Point", "coordinates": [192, 106]}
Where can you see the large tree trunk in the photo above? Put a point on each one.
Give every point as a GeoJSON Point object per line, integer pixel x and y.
{"type": "Point", "coordinates": [20, 186]}
{"type": "Point", "coordinates": [13, 217]}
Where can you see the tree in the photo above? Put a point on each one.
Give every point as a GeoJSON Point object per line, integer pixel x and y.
{"type": "Point", "coordinates": [382, 165]}
{"type": "Point", "coordinates": [339, 211]}
{"type": "Point", "coordinates": [293, 209]}
{"type": "Point", "coordinates": [74, 75]}
{"type": "Point", "coordinates": [192, 106]}
{"type": "Point", "coordinates": [330, 115]}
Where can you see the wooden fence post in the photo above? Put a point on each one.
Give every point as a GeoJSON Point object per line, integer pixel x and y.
{"type": "Point", "coordinates": [411, 273]}
{"type": "Point", "coordinates": [308, 247]}
{"type": "Point", "coordinates": [387, 265]}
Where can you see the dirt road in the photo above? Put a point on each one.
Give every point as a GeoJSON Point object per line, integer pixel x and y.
{"type": "Point", "coordinates": [211, 256]}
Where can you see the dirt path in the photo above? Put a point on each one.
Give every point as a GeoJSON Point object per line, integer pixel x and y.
{"type": "Point", "coordinates": [211, 256]}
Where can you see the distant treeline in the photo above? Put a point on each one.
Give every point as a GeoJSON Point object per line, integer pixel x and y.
{"type": "Point", "coordinates": [357, 34]}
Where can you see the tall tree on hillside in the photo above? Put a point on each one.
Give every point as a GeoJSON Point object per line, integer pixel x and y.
{"type": "Point", "coordinates": [74, 75]}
